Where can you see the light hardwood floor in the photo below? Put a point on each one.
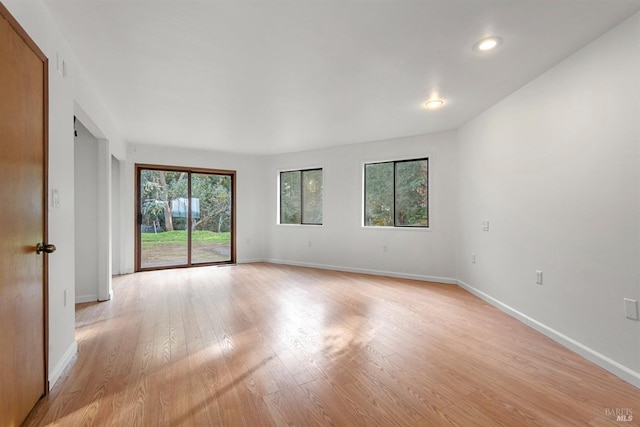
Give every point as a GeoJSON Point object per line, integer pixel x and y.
{"type": "Point", "coordinates": [262, 345]}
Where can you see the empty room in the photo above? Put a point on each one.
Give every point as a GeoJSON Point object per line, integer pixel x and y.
{"type": "Point", "coordinates": [320, 213]}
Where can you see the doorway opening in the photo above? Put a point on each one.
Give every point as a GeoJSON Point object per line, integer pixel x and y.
{"type": "Point", "coordinates": [184, 217]}
{"type": "Point", "coordinates": [87, 223]}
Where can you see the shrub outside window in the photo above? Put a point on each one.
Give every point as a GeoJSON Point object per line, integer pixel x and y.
{"type": "Point", "coordinates": [396, 193]}
{"type": "Point", "coordinates": [301, 197]}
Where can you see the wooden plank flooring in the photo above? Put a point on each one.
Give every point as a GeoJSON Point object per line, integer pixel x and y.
{"type": "Point", "coordinates": [266, 345]}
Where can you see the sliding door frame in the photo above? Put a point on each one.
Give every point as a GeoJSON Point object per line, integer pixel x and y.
{"type": "Point", "coordinates": [138, 215]}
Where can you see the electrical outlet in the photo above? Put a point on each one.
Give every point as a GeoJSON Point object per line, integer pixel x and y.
{"type": "Point", "coordinates": [539, 277]}
{"type": "Point", "coordinates": [310, 244]}
{"type": "Point", "coordinates": [631, 308]}
{"type": "Point", "coordinates": [385, 248]}
{"type": "Point", "coordinates": [485, 225]}
{"type": "Point", "coordinates": [473, 258]}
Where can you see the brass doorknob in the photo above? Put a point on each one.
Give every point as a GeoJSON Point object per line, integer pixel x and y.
{"type": "Point", "coordinates": [45, 247]}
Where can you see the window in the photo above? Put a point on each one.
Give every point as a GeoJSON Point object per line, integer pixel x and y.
{"type": "Point", "coordinates": [301, 197]}
{"type": "Point", "coordinates": [396, 194]}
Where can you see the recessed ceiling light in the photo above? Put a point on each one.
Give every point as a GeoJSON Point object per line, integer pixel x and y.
{"type": "Point", "coordinates": [433, 104]}
{"type": "Point", "coordinates": [486, 44]}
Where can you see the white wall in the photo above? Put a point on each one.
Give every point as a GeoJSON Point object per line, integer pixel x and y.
{"type": "Point", "coordinates": [86, 215]}
{"type": "Point", "coordinates": [249, 193]}
{"type": "Point", "coordinates": [555, 168]}
{"type": "Point", "coordinates": [68, 94]}
{"type": "Point", "coordinates": [341, 242]}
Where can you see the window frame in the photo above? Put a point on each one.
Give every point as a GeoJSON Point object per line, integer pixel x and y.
{"type": "Point", "coordinates": [363, 224]}
{"type": "Point", "coordinates": [279, 205]}
{"type": "Point", "coordinates": [138, 168]}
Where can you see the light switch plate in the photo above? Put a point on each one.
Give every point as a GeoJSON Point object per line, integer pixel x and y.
{"type": "Point", "coordinates": [631, 308]}
{"type": "Point", "coordinates": [55, 198]}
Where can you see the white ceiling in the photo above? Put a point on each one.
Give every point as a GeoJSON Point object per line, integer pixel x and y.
{"type": "Point", "coordinates": [276, 76]}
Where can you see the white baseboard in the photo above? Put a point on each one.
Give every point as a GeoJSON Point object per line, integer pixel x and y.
{"type": "Point", "coordinates": [57, 371]}
{"type": "Point", "coordinates": [588, 353]}
{"type": "Point", "coordinates": [437, 279]}
{"type": "Point", "coordinates": [249, 260]}
{"type": "Point", "coordinates": [108, 298]}
{"type": "Point", "coordinates": [86, 298]}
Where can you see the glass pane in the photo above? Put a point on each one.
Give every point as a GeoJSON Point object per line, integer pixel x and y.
{"type": "Point", "coordinates": [290, 197]}
{"type": "Point", "coordinates": [312, 196]}
{"type": "Point", "coordinates": [412, 193]}
{"type": "Point", "coordinates": [163, 196]}
{"type": "Point", "coordinates": [210, 218]}
{"type": "Point", "coordinates": [378, 184]}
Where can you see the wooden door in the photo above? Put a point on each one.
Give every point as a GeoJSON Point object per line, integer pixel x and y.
{"type": "Point", "coordinates": [23, 154]}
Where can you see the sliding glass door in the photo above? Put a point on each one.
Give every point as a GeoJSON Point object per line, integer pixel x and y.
{"type": "Point", "coordinates": [185, 217]}
{"type": "Point", "coordinates": [211, 210]}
